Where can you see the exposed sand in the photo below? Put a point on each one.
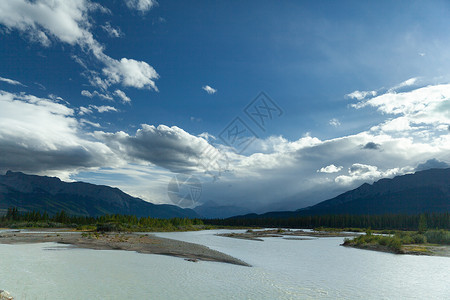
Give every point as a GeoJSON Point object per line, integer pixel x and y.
{"type": "Point", "coordinates": [123, 241]}
{"type": "Point", "coordinates": [257, 235]}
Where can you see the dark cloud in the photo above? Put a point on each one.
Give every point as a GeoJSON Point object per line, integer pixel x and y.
{"type": "Point", "coordinates": [169, 147]}
{"type": "Point", "coordinates": [432, 164]}
{"type": "Point", "coordinates": [372, 146]}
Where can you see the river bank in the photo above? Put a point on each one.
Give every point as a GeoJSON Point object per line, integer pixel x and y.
{"type": "Point", "coordinates": [141, 243]}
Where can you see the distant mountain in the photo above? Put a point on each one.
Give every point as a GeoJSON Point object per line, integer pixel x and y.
{"type": "Point", "coordinates": [213, 210]}
{"type": "Point", "coordinates": [42, 193]}
{"type": "Point", "coordinates": [423, 191]}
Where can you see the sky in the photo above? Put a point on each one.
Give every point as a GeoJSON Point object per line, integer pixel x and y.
{"type": "Point", "coordinates": [264, 105]}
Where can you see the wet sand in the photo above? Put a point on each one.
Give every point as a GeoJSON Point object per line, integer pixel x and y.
{"type": "Point", "coordinates": [142, 243]}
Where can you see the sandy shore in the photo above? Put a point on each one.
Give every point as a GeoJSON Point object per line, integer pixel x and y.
{"type": "Point", "coordinates": [123, 241]}
{"type": "Point", "coordinates": [257, 235]}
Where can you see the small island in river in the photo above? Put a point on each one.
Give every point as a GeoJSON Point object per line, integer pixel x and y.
{"type": "Point", "coordinates": [257, 235]}
{"type": "Point", "coordinates": [142, 243]}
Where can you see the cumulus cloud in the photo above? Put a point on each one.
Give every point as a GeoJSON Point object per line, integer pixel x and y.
{"type": "Point", "coordinates": [141, 5]}
{"type": "Point", "coordinates": [209, 89]}
{"type": "Point", "coordinates": [131, 73]}
{"type": "Point", "coordinates": [363, 173]}
{"type": "Point", "coordinates": [426, 106]}
{"type": "Point", "coordinates": [330, 169]}
{"type": "Point", "coordinates": [39, 135]}
{"type": "Point", "coordinates": [168, 147]}
{"type": "Point", "coordinates": [68, 22]}
{"type": "Point", "coordinates": [10, 81]}
{"type": "Point", "coordinates": [294, 173]}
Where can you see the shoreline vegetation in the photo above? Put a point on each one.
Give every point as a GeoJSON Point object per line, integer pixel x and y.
{"type": "Point", "coordinates": [426, 242]}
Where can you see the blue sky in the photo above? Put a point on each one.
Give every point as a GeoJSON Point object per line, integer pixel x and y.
{"type": "Point", "coordinates": [129, 93]}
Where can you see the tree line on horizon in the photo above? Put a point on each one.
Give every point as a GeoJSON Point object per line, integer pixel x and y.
{"type": "Point", "coordinates": [387, 221]}
{"type": "Point", "coordinates": [15, 218]}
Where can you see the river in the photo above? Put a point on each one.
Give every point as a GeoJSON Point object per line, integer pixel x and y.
{"type": "Point", "coordinates": [317, 268]}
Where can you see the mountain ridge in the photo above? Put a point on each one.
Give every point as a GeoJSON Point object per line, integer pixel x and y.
{"type": "Point", "coordinates": [50, 194]}
{"type": "Point", "coordinates": [422, 191]}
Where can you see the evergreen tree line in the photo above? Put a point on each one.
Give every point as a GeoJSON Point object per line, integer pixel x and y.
{"type": "Point", "coordinates": [388, 221]}
{"type": "Point", "coordinates": [38, 219]}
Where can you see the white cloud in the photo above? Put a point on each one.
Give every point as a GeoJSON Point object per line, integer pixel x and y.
{"type": "Point", "coordinates": [330, 169]}
{"type": "Point", "coordinates": [39, 135]}
{"type": "Point", "coordinates": [209, 89]}
{"type": "Point", "coordinates": [88, 94]}
{"type": "Point", "coordinates": [334, 122]}
{"type": "Point", "coordinates": [359, 95]}
{"type": "Point", "coordinates": [84, 111]}
{"type": "Point", "coordinates": [10, 81]}
{"type": "Point", "coordinates": [427, 105]}
{"type": "Point", "coordinates": [363, 173]}
{"type": "Point", "coordinates": [292, 173]}
{"type": "Point", "coordinates": [406, 83]}
{"type": "Point", "coordinates": [122, 96]}
{"type": "Point", "coordinates": [93, 124]}
{"type": "Point", "coordinates": [104, 108]}
{"type": "Point", "coordinates": [101, 109]}
{"type": "Point", "coordinates": [68, 22]}
{"type": "Point", "coordinates": [131, 73]}
{"type": "Point", "coordinates": [141, 5]}
{"type": "Point", "coordinates": [111, 31]}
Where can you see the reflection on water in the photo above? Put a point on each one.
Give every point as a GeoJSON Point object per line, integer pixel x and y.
{"type": "Point", "coordinates": [283, 269]}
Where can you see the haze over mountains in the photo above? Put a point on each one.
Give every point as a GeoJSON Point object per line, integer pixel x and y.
{"type": "Point", "coordinates": [42, 193]}
{"type": "Point", "coordinates": [423, 191]}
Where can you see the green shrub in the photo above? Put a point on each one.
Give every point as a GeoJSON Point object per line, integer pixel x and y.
{"type": "Point", "coordinates": [395, 244]}
{"type": "Point", "coordinates": [438, 237]}
{"type": "Point", "coordinates": [419, 238]}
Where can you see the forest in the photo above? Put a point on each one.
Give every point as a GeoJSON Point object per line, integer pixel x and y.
{"type": "Point", "coordinates": [380, 222]}
{"type": "Point", "coordinates": [16, 219]}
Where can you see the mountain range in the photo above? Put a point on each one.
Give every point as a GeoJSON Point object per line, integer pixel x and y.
{"type": "Point", "coordinates": [423, 191]}
{"type": "Point", "coordinates": [50, 194]}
